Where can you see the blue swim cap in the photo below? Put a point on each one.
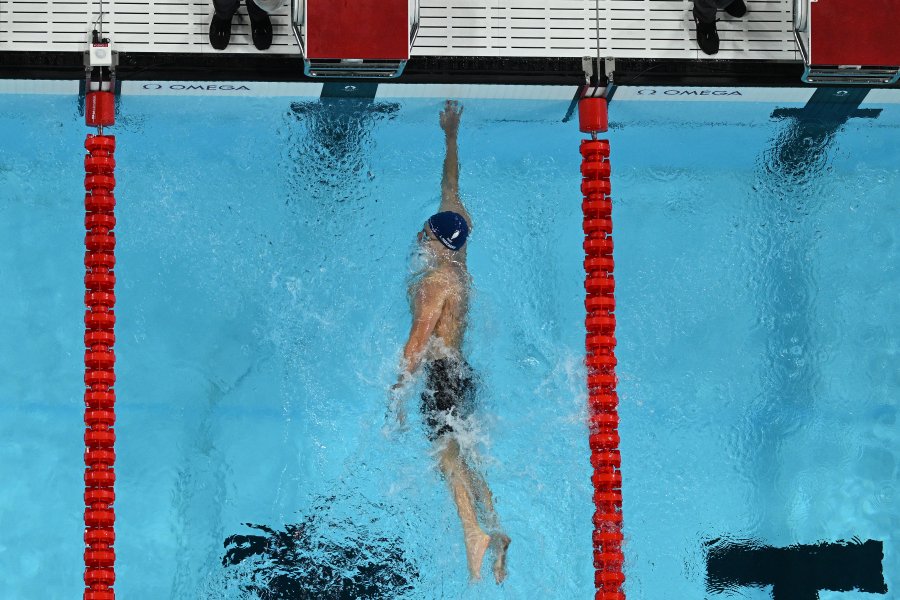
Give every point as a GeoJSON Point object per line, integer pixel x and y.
{"type": "Point", "coordinates": [450, 228]}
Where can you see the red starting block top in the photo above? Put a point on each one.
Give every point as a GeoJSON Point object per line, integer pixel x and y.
{"type": "Point", "coordinates": [368, 29]}
{"type": "Point", "coordinates": [854, 32]}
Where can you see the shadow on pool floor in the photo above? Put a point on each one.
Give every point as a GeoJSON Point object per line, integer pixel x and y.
{"type": "Point", "coordinates": [322, 557]}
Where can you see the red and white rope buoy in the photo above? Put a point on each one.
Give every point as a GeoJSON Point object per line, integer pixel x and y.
{"type": "Point", "coordinates": [601, 358]}
{"type": "Point", "coordinates": [99, 357]}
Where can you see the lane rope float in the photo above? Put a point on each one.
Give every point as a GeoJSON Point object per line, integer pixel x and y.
{"type": "Point", "coordinates": [99, 323]}
{"type": "Point", "coordinates": [600, 344]}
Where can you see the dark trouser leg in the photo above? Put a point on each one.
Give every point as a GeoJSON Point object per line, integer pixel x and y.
{"type": "Point", "coordinates": [705, 10]}
{"type": "Point", "coordinates": [226, 8]}
{"type": "Point", "coordinates": [270, 6]}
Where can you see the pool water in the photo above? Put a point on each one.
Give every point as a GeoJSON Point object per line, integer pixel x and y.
{"type": "Point", "coordinates": [263, 253]}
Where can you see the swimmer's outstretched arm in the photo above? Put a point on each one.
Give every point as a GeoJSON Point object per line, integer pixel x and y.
{"type": "Point", "coordinates": [450, 199]}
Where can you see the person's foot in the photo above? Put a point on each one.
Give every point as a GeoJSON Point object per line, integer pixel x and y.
{"type": "Point", "coordinates": [261, 26]}
{"type": "Point", "coordinates": [220, 31]}
{"type": "Point", "coordinates": [707, 36]}
{"type": "Point", "coordinates": [500, 542]}
{"type": "Point", "coordinates": [736, 9]}
{"type": "Point", "coordinates": [476, 545]}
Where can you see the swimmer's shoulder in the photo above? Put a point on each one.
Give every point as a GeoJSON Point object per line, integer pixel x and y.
{"type": "Point", "coordinates": [454, 276]}
{"type": "Point", "coordinates": [435, 283]}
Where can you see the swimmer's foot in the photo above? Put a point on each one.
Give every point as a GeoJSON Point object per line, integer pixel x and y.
{"type": "Point", "coordinates": [499, 543]}
{"type": "Point", "coordinates": [476, 545]}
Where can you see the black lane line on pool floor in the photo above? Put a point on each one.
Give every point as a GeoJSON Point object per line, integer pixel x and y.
{"type": "Point", "coordinates": [356, 90]}
{"type": "Point", "coordinates": [829, 109]}
{"type": "Point", "coordinates": [797, 572]}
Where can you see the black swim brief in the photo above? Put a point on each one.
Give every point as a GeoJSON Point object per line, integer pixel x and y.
{"type": "Point", "coordinates": [450, 389]}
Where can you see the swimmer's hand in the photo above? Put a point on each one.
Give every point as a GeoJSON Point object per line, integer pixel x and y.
{"type": "Point", "coordinates": [450, 117]}
{"type": "Point", "coordinates": [401, 419]}
{"type": "Point", "coordinates": [396, 417]}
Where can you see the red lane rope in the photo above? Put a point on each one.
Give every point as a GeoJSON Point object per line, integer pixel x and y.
{"type": "Point", "coordinates": [99, 375]}
{"type": "Point", "coordinates": [600, 343]}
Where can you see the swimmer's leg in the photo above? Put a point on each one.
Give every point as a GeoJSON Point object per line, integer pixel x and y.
{"type": "Point", "coordinates": [485, 499]}
{"type": "Point", "coordinates": [499, 540]}
{"type": "Point", "coordinates": [460, 479]}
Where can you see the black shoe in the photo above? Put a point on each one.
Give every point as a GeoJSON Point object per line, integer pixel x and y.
{"type": "Point", "coordinates": [736, 9]}
{"type": "Point", "coordinates": [260, 26]}
{"type": "Point", "coordinates": [220, 31]}
{"type": "Point", "coordinates": [707, 36]}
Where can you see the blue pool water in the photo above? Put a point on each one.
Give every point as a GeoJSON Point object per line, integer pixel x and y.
{"type": "Point", "coordinates": [263, 255]}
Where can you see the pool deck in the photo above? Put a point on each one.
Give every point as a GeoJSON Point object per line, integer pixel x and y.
{"type": "Point", "coordinates": [629, 29]}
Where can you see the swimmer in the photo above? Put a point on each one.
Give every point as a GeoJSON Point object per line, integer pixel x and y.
{"type": "Point", "coordinates": [439, 298]}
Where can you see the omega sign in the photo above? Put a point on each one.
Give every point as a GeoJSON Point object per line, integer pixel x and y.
{"type": "Point", "coordinates": [202, 87]}
{"type": "Point", "coordinates": [686, 92]}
